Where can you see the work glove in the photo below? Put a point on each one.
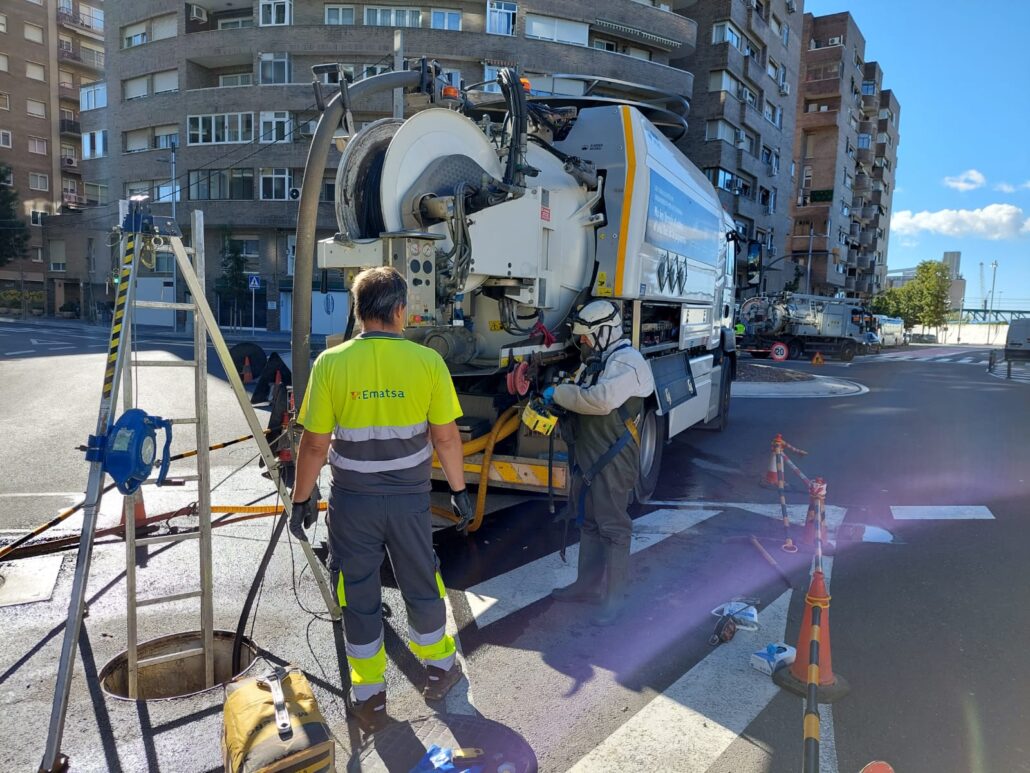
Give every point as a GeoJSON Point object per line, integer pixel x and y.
{"type": "Point", "coordinates": [304, 514]}
{"type": "Point", "coordinates": [461, 505]}
{"type": "Point", "coordinates": [548, 395]}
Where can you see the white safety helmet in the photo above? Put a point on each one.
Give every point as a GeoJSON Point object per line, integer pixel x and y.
{"type": "Point", "coordinates": [601, 321]}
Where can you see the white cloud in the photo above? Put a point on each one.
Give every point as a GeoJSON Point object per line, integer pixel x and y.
{"type": "Point", "coordinates": [969, 180]}
{"type": "Point", "coordinates": [994, 222]}
{"type": "Point", "coordinates": [1026, 185]}
{"type": "Point", "coordinates": [1005, 187]}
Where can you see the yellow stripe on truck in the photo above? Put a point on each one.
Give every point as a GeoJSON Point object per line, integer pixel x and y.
{"type": "Point", "coordinates": [627, 199]}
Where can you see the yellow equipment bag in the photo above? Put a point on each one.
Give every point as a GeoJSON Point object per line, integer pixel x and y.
{"type": "Point", "coordinates": [273, 723]}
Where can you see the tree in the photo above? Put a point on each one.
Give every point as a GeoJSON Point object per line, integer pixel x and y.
{"type": "Point", "coordinates": [233, 281]}
{"type": "Point", "coordinates": [895, 302]}
{"type": "Point", "coordinates": [14, 234]}
{"type": "Point", "coordinates": [929, 293]}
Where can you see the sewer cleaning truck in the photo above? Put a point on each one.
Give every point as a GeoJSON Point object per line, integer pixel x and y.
{"type": "Point", "coordinates": [790, 325]}
{"type": "Point", "coordinates": [506, 212]}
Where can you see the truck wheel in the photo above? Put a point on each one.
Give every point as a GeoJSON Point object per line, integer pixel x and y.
{"type": "Point", "coordinates": [847, 352]}
{"type": "Point", "coordinates": [796, 349]}
{"type": "Point", "coordinates": [720, 422]}
{"type": "Point", "coordinates": [653, 430]}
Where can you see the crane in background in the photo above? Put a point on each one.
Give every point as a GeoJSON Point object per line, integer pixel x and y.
{"type": "Point", "coordinates": [983, 295]}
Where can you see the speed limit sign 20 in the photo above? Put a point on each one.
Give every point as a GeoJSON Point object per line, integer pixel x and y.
{"type": "Point", "coordinates": [779, 351]}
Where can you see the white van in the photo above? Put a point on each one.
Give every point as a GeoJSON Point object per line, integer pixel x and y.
{"type": "Point", "coordinates": [1017, 344]}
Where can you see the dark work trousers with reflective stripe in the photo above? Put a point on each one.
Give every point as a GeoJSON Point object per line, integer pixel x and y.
{"type": "Point", "coordinates": [362, 530]}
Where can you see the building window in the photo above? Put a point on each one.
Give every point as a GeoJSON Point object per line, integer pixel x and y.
{"type": "Point", "coordinates": [164, 27]}
{"type": "Point", "coordinates": [5, 100]}
{"type": "Point", "coordinates": [220, 128]}
{"type": "Point", "coordinates": [558, 30]}
{"type": "Point", "coordinates": [868, 88]}
{"type": "Point", "coordinates": [339, 14]}
{"type": "Point", "coordinates": [275, 68]}
{"type": "Point", "coordinates": [638, 53]}
{"type": "Point", "coordinates": [136, 140]}
{"type": "Point", "coordinates": [92, 96]}
{"type": "Point", "coordinates": [722, 130]}
{"type": "Point", "coordinates": [500, 17]}
{"type": "Point", "coordinates": [772, 69]}
{"type": "Point", "coordinates": [5, 138]}
{"type": "Point", "coordinates": [392, 17]}
{"type": "Point", "coordinates": [445, 20]}
{"type": "Point", "coordinates": [65, 79]}
{"type": "Point", "coordinates": [724, 32]}
{"type": "Point", "coordinates": [3, 22]}
{"type": "Point", "coordinates": [848, 180]}
{"type": "Point", "coordinates": [236, 79]}
{"type": "Point", "coordinates": [33, 33]}
{"type": "Point", "coordinates": [37, 145]}
{"type": "Point", "coordinates": [275, 127]}
{"type": "Point", "coordinates": [275, 184]}
{"type": "Point", "coordinates": [166, 137]}
{"type": "Point", "coordinates": [490, 79]}
{"type": "Point", "coordinates": [806, 177]}
{"type": "Point", "coordinates": [35, 108]}
{"type": "Point", "coordinates": [96, 193]}
{"type": "Point", "coordinates": [36, 218]}
{"type": "Point", "coordinates": [606, 45]}
{"type": "Point", "coordinates": [134, 35]}
{"type": "Point", "coordinates": [136, 88]}
{"type": "Point", "coordinates": [94, 144]}
{"type": "Point", "coordinates": [57, 255]}
{"type": "Point", "coordinates": [744, 94]}
{"type": "Point", "coordinates": [276, 12]}
{"type": "Point", "coordinates": [374, 69]}
{"type": "Point", "coordinates": [166, 80]}
{"type": "Point", "coordinates": [235, 23]}
{"type": "Point", "coordinates": [328, 190]}
{"type": "Point", "coordinates": [39, 182]}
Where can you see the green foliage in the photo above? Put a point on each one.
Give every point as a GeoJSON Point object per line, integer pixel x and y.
{"type": "Point", "coordinates": [928, 293]}
{"type": "Point", "coordinates": [233, 281]}
{"type": "Point", "coordinates": [922, 301]}
{"type": "Point", "coordinates": [14, 234]}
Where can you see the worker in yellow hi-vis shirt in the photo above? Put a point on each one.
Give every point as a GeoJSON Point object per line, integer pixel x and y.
{"type": "Point", "coordinates": [377, 406]}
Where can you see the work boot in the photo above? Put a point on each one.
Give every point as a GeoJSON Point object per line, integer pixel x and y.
{"type": "Point", "coordinates": [440, 682]}
{"type": "Point", "coordinates": [617, 560]}
{"type": "Point", "coordinates": [370, 713]}
{"type": "Point", "coordinates": [589, 573]}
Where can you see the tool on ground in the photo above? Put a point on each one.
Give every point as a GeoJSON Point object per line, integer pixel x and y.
{"type": "Point", "coordinates": [272, 722]}
{"type": "Point", "coordinates": [724, 631]}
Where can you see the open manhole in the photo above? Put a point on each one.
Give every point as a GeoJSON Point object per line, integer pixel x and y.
{"type": "Point", "coordinates": [179, 677]}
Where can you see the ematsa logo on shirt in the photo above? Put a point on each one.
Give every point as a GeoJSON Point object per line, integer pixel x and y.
{"type": "Point", "coordinates": [377, 394]}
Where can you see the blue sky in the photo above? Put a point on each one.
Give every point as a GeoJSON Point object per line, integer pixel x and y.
{"type": "Point", "coordinates": [961, 72]}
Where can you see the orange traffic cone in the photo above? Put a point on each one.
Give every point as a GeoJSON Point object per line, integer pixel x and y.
{"type": "Point", "coordinates": [772, 478]}
{"type": "Point", "coordinates": [877, 766]}
{"type": "Point", "coordinates": [139, 512]}
{"type": "Point", "coordinates": [795, 678]}
{"type": "Point", "coordinates": [248, 376]}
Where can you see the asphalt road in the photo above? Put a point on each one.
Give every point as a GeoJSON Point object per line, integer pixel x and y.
{"type": "Point", "coordinates": [928, 630]}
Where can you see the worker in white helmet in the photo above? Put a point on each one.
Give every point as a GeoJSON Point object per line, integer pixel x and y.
{"type": "Point", "coordinates": [604, 402]}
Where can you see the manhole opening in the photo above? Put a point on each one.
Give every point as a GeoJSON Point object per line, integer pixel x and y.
{"type": "Point", "coordinates": [174, 678]}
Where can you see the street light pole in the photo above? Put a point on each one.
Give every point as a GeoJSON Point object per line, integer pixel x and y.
{"type": "Point", "coordinates": [808, 278]}
{"type": "Point", "coordinates": [994, 276]}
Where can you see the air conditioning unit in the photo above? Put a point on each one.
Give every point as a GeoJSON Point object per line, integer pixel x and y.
{"type": "Point", "coordinates": [737, 190]}
{"type": "Point", "coordinates": [792, 6]}
{"type": "Point", "coordinates": [306, 128]}
{"type": "Point", "coordinates": [784, 89]}
{"type": "Point", "coordinates": [294, 194]}
{"type": "Point", "coordinates": [68, 162]}
{"type": "Point", "coordinates": [739, 137]}
{"type": "Point", "coordinates": [835, 41]}
{"type": "Point", "coordinates": [197, 13]}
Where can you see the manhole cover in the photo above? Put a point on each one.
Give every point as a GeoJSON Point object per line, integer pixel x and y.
{"type": "Point", "coordinates": [174, 678]}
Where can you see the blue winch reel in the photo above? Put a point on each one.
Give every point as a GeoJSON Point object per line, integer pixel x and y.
{"type": "Point", "coordinates": [129, 449]}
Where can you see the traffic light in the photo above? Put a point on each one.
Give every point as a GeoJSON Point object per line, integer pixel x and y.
{"type": "Point", "coordinates": [754, 263]}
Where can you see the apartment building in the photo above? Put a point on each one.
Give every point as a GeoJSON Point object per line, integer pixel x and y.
{"type": "Point", "coordinates": [846, 144]}
{"type": "Point", "coordinates": [49, 49]}
{"type": "Point", "coordinates": [227, 87]}
{"type": "Point", "coordinates": [742, 118]}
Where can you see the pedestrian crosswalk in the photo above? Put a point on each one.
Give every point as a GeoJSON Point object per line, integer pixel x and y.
{"type": "Point", "coordinates": [1020, 372]}
{"type": "Point", "coordinates": [955, 355]}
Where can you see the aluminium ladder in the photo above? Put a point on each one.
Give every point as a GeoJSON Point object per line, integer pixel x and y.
{"type": "Point", "coordinates": [205, 327]}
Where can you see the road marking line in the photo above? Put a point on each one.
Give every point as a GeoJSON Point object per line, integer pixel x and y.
{"type": "Point", "coordinates": [796, 514]}
{"type": "Point", "coordinates": [500, 596]}
{"type": "Point", "coordinates": [941, 513]}
{"type": "Point", "coordinates": [23, 351]}
{"type": "Point", "coordinates": [692, 723]}
{"type": "Point", "coordinates": [966, 359]}
{"type": "Point", "coordinates": [828, 740]}
{"type": "Point", "coordinates": [43, 342]}
{"type": "Point", "coordinates": [459, 699]}
{"type": "Point", "coordinates": [59, 348]}
{"type": "Point", "coordinates": [45, 494]}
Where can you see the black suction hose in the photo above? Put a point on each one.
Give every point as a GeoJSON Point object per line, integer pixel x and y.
{"type": "Point", "coordinates": [259, 576]}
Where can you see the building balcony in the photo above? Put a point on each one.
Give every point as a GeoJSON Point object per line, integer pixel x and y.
{"type": "Point", "coordinates": [866, 262]}
{"type": "Point", "coordinates": [819, 197]}
{"type": "Point", "coordinates": [73, 200]}
{"type": "Point", "coordinates": [856, 229]}
{"type": "Point", "coordinates": [861, 185]}
{"type": "Point", "coordinates": [81, 22]}
{"type": "Point", "coordinates": [70, 127]}
{"type": "Point", "coordinates": [850, 282]}
{"type": "Point", "coordinates": [68, 91]}
{"type": "Point", "coordinates": [870, 211]}
{"type": "Point", "coordinates": [867, 237]}
{"type": "Point", "coordinates": [864, 156]}
{"type": "Point", "coordinates": [870, 102]}
{"type": "Point", "coordinates": [87, 57]}
{"type": "Point", "coordinates": [818, 119]}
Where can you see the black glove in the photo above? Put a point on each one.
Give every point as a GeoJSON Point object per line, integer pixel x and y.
{"type": "Point", "coordinates": [461, 505]}
{"type": "Point", "coordinates": [304, 514]}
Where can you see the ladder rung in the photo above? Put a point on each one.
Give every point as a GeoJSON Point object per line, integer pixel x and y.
{"type": "Point", "coordinates": [168, 599]}
{"type": "Point", "coordinates": [169, 657]}
{"type": "Point", "coordinates": [186, 478]}
{"type": "Point", "coordinates": [165, 305]}
{"type": "Point", "coordinates": [191, 420]}
{"type": "Point", "coordinates": [168, 538]}
{"type": "Point", "coordinates": [165, 363]}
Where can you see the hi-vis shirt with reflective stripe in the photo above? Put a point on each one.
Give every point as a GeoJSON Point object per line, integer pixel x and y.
{"type": "Point", "coordinates": [377, 394]}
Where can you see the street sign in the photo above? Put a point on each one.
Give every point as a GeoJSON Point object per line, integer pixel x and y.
{"type": "Point", "coordinates": [255, 283]}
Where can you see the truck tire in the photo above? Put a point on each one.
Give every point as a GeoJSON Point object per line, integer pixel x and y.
{"type": "Point", "coordinates": [847, 351]}
{"type": "Point", "coordinates": [720, 422]}
{"type": "Point", "coordinates": [653, 432]}
{"type": "Point", "coordinates": [796, 349]}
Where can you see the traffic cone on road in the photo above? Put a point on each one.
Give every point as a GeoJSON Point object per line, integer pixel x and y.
{"type": "Point", "coordinates": [772, 477]}
{"type": "Point", "coordinates": [139, 511]}
{"type": "Point", "coordinates": [248, 376]}
{"type": "Point", "coordinates": [795, 678]}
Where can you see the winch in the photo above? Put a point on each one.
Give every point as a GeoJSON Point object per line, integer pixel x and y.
{"type": "Point", "coordinates": [128, 451]}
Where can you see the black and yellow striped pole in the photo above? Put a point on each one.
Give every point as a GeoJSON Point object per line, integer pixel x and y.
{"type": "Point", "coordinates": [810, 756]}
{"type": "Point", "coordinates": [118, 321]}
{"type": "Point", "coordinates": [778, 445]}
